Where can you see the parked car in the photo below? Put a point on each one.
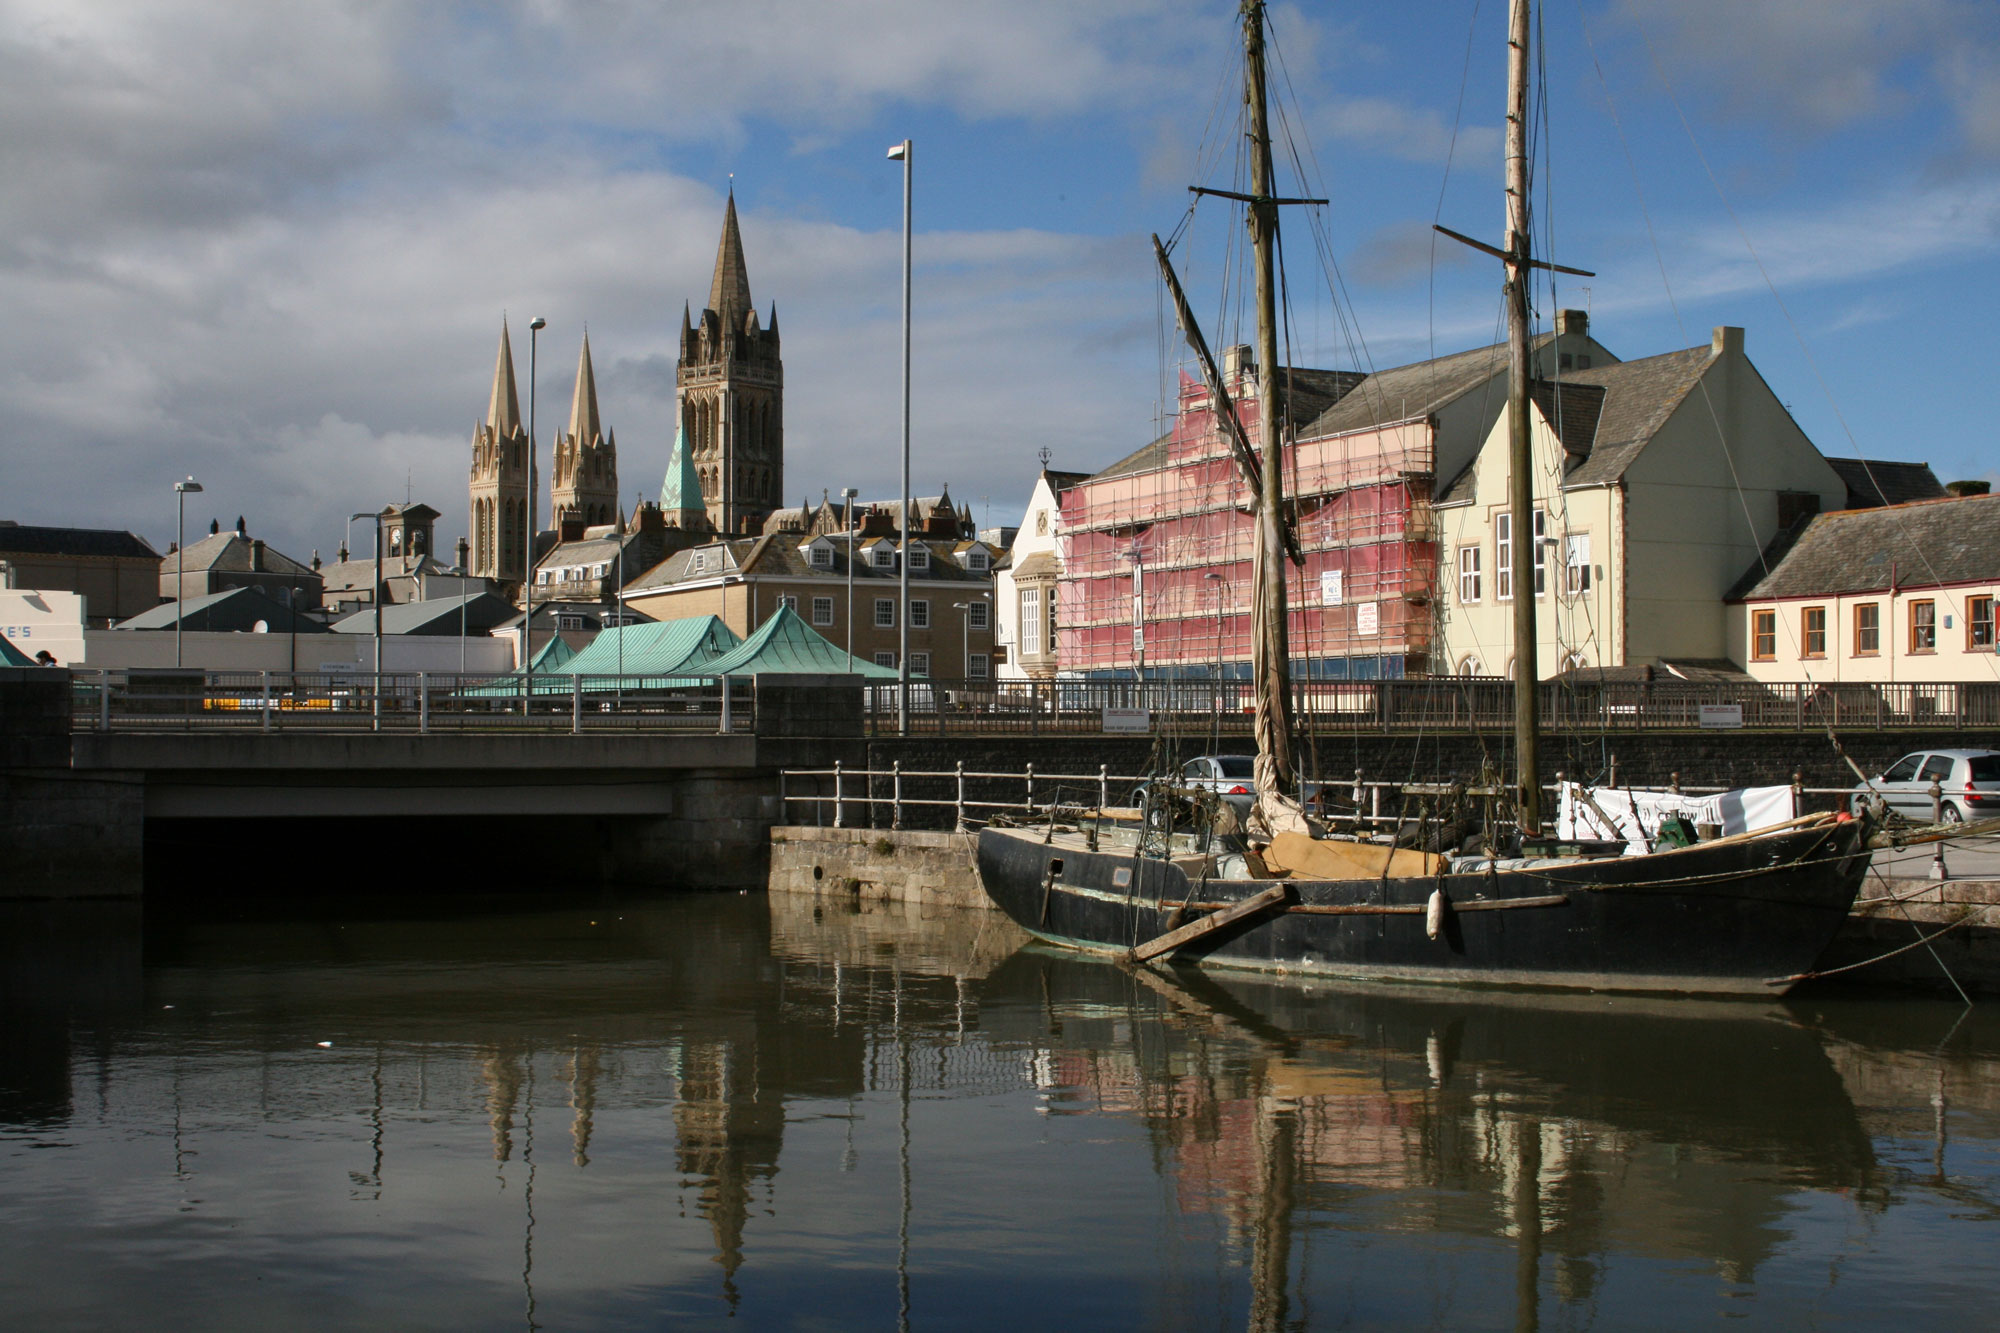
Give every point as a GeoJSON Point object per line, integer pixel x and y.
{"type": "Point", "coordinates": [1969, 780]}
{"type": "Point", "coordinates": [1232, 777]}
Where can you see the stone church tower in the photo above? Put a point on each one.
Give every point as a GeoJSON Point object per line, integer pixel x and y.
{"type": "Point", "coordinates": [585, 477]}
{"type": "Point", "coordinates": [500, 479]}
{"type": "Point", "coordinates": [731, 389]}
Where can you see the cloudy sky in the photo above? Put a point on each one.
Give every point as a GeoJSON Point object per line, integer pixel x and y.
{"type": "Point", "coordinates": [271, 244]}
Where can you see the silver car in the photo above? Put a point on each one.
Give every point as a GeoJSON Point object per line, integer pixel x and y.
{"type": "Point", "coordinates": [1968, 779]}
{"type": "Point", "coordinates": [1233, 777]}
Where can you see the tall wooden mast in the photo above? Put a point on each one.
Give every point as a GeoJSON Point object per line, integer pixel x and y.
{"type": "Point", "coordinates": [1521, 481]}
{"type": "Point", "coordinates": [1270, 652]}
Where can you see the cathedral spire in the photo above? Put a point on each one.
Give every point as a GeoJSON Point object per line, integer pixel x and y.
{"type": "Point", "coordinates": [584, 427]}
{"type": "Point", "coordinates": [729, 293]}
{"type": "Point", "coordinates": [503, 410]}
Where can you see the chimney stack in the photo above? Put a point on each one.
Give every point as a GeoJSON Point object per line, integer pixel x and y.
{"type": "Point", "coordinates": [1573, 322]}
{"type": "Point", "coordinates": [1727, 339]}
{"type": "Point", "coordinates": [257, 556]}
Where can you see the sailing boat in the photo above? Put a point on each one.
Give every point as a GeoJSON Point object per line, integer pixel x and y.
{"type": "Point", "coordinates": [1746, 914]}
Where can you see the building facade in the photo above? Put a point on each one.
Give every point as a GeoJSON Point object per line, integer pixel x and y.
{"type": "Point", "coordinates": [1026, 583]}
{"type": "Point", "coordinates": [116, 573]}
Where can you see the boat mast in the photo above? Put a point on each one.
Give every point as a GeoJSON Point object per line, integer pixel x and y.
{"type": "Point", "coordinates": [1520, 458]}
{"type": "Point", "coordinates": [1270, 646]}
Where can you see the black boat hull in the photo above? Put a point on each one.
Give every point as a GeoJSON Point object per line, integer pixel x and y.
{"type": "Point", "coordinates": [1728, 918]}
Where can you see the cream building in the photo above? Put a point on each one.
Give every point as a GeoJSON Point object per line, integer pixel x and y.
{"type": "Point", "coordinates": [1657, 483]}
{"type": "Point", "coordinates": [1898, 594]}
{"type": "Point", "coordinates": [1024, 587]}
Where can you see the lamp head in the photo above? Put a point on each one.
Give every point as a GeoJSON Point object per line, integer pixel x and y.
{"type": "Point", "coordinates": [900, 152]}
{"type": "Point", "coordinates": [188, 487]}
{"type": "Point", "coordinates": [848, 492]}
{"type": "Point", "coordinates": [538, 324]}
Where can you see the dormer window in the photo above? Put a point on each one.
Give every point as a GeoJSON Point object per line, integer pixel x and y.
{"type": "Point", "coordinates": [822, 557]}
{"type": "Point", "coordinates": [977, 561]}
{"type": "Point", "coordinates": [920, 557]}
{"type": "Point", "coordinates": [700, 561]}
{"type": "Point", "coordinates": [885, 556]}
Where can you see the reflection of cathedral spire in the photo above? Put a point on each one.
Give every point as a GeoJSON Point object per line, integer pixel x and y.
{"type": "Point", "coordinates": [728, 1134]}
{"type": "Point", "coordinates": [503, 1089]}
{"type": "Point", "coordinates": [583, 1070]}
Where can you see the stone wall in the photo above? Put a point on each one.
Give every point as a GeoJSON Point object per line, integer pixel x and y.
{"type": "Point", "coordinates": [62, 834]}
{"type": "Point", "coordinates": [868, 865]}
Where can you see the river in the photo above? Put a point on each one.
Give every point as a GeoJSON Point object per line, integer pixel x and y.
{"type": "Point", "coordinates": [609, 1113]}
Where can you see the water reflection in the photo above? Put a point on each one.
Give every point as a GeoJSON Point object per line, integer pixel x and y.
{"type": "Point", "coordinates": [795, 1112]}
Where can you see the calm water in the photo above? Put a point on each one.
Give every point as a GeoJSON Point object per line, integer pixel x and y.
{"type": "Point", "coordinates": [630, 1115]}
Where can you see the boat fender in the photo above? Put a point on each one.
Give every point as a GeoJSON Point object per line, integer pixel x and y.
{"type": "Point", "coordinates": [1434, 914]}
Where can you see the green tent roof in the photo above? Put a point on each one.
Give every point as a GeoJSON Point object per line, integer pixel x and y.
{"type": "Point", "coordinates": [12, 656]}
{"type": "Point", "coordinates": [785, 644]}
{"type": "Point", "coordinates": [657, 648]}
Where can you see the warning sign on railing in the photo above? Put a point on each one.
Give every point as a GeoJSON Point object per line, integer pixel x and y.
{"type": "Point", "coordinates": [1721, 717]}
{"type": "Point", "coordinates": [1128, 719]}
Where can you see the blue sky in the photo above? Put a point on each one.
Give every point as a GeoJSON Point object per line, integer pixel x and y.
{"type": "Point", "coordinates": [271, 245]}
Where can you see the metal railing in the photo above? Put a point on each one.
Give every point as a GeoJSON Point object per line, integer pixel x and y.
{"type": "Point", "coordinates": [421, 702]}
{"type": "Point", "coordinates": [1059, 707]}
{"type": "Point", "coordinates": [844, 797]}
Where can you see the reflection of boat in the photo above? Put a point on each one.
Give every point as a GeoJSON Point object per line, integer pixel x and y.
{"type": "Point", "coordinates": [1577, 1130]}
{"type": "Point", "coordinates": [1744, 914]}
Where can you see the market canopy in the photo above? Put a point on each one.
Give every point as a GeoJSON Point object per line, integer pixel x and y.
{"type": "Point", "coordinates": [786, 645]}
{"type": "Point", "coordinates": [655, 648]}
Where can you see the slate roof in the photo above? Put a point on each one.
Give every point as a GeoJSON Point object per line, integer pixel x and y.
{"type": "Point", "coordinates": [25, 539]}
{"type": "Point", "coordinates": [1402, 392]}
{"type": "Point", "coordinates": [437, 616]}
{"type": "Point", "coordinates": [347, 575]}
{"type": "Point", "coordinates": [1606, 415]}
{"type": "Point", "coordinates": [781, 555]}
{"type": "Point", "coordinates": [229, 552]}
{"type": "Point", "coordinates": [236, 609]}
{"type": "Point", "coordinates": [1872, 483]}
{"type": "Point", "coordinates": [1143, 459]}
{"type": "Point", "coordinates": [1924, 544]}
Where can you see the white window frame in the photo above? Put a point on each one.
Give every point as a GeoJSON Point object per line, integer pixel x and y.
{"type": "Point", "coordinates": [821, 557]}
{"type": "Point", "coordinates": [1469, 573]}
{"type": "Point", "coordinates": [1576, 564]}
{"type": "Point", "coordinates": [920, 615]}
{"type": "Point", "coordinates": [920, 664]}
{"type": "Point", "coordinates": [976, 616]}
{"type": "Point", "coordinates": [920, 556]}
{"type": "Point", "coordinates": [978, 666]}
{"type": "Point", "coordinates": [976, 561]}
{"type": "Point", "coordinates": [884, 556]}
{"type": "Point", "coordinates": [1031, 620]}
{"type": "Point", "coordinates": [885, 659]}
{"type": "Point", "coordinates": [885, 613]}
{"type": "Point", "coordinates": [1503, 557]}
{"type": "Point", "coordinates": [1541, 553]}
{"type": "Point", "coordinates": [822, 610]}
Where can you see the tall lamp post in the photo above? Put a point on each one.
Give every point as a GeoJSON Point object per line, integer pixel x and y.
{"type": "Point", "coordinates": [181, 492]}
{"type": "Point", "coordinates": [528, 551]}
{"type": "Point", "coordinates": [376, 598]}
{"type": "Point", "coordinates": [847, 494]}
{"type": "Point", "coordinates": [901, 153]}
{"type": "Point", "coordinates": [1215, 704]}
{"type": "Point", "coordinates": [964, 610]}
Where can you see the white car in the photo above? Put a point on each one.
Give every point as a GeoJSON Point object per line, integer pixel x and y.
{"type": "Point", "coordinates": [1969, 781]}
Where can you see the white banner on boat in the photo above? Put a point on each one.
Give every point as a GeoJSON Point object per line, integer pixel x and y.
{"type": "Point", "coordinates": [1637, 814]}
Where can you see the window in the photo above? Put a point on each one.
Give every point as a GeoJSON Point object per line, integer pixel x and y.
{"type": "Point", "coordinates": [1904, 769]}
{"type": "Point", "coordinates": [1979, 624]}
{"type": "Point", "coordinates": [1763, 635]}
{"type": "Point", "coordinates": [1923, 627]}
{"type": "Point", "coordinates": [822, 610]}
{"type": "Point", "coordinates": [976, 561]}
{"type": "Point", "coordinates": [1031, 620]}
{"type": "Point", "coordinates": [920, 614]}
{"type": "Point", "coordinates": [700, 561]}
{"type": "Point", "coordinates": [1812, 631]}
{"type": "Point", "coordinates": [920, 664]}
{"type": "Point", "coordinates": [1503, 557]}
{"type": "Point", "coordinates": [1471, 666]}
{"type": "Point", "coordinates": [1468, 573]}
{"type": "Point", "coordinates": [885, 556]}
{"type": "Point", "coordinates": [822, 557]}
{"type": "Point", "coordinates": [790, 599]}
{"type": "Point", "coordinates": [920, 557]}
{"type": "Point", "coordinates": [976, 615]}
{"type": "Point", "coordinates": [975, 666]}
{"type": "Point", "coordinates": [1867, 629]}
{"type": "Point", "coordinates": [569, 622]}
{"type": "Point", "coordinates": [1541, 552]}
{"type": "Point", "coordinates": [885, 613]}
{"type": "Point", "coordinates": [885, 659]}
{"type": "Point", "coordinates": [1936, 769]}
{"type": "Point", "coordinates": [1576, 564]}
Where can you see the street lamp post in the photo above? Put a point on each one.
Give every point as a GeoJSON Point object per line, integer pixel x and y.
{"type": "Point", "coordinates": [901, 153]}
{"type": "Point", "coordinates": [528, 551]}
{"type": "Point", "coordinates": [376, 598]}
{"type": "Point", "coordinates": [1215, 704]}
{"type": "Point", "coordinates": [181, 492]}
{"type": "Point", "coordinates": [964, 610]}
{"type": "Point", "coordinates": [847, 493]}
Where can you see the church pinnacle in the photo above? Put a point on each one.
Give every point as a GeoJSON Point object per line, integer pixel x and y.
{"type": "Point", "coordinates": [583, 423]}
{"type": "Point", "coordinates": [503, 410]}
{"type": "Point", "coordinates": [586, 460]}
